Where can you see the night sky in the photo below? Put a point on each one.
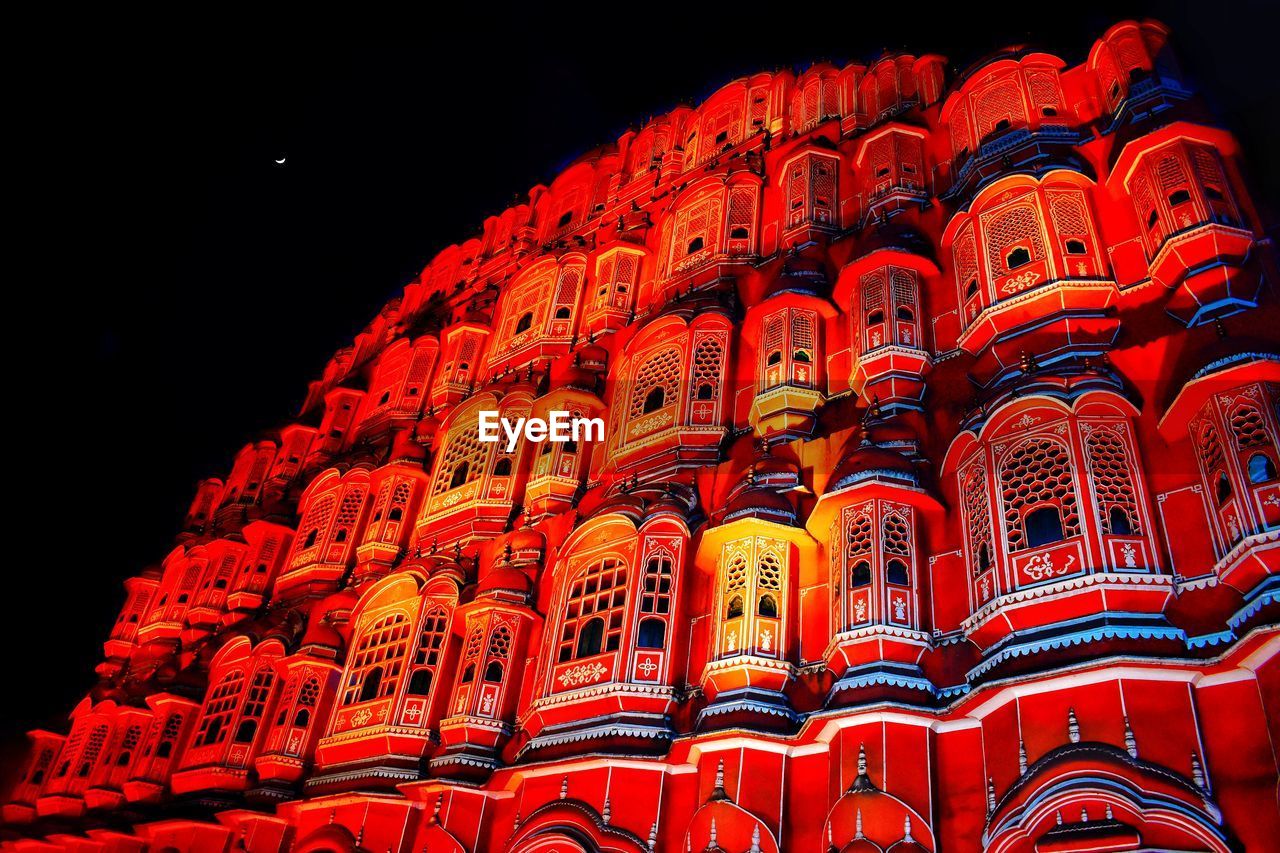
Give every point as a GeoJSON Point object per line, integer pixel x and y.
{"type": "Point", "coordinates": [177, 289]}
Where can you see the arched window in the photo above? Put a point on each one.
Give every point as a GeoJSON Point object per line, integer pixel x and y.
{"type": "Point", "coordinates": [655, 588]}
{"type": "Point", "coordinates": [219, 709]}
{"type": "Point", "coordinates": [493, 672]}
{"type": "Point", "coordinates": [426, 657]}
{"type": "Point", "coordinates": [503, 467]}
{"type": "Point", "coordinates": [1038, 489]}
{"type": "Point", "coordinates": [768, 606]}
{"type": "Point", "coordinates": [1223, 488]}
{"type": "Point", "coordinates": [896, 573]}
{"type": "Point", "coordinates": [302, 718]}
{"type": "Point", "coordinates": [525, 322]}
{"type": "Point", "coordinates": [708, 353]}
{"type": "Point", "coordinates": [734, 610]}
{"type": "Point", "coordinates": [462, 459]}
{"type": "Point", "coordinates": [654, 400]}
{"type": "Point", "coordinates": [1110, 465]}
{"type": "Point", "coordinates": [255, 704]}
{"type": "Point", "coordinates": [656, 381]}
{"type": "Point", "coordinates": [652, 634]}
{"type": "Point", "coordinates": [371, 685]}
{"type": "Point", "coordinates": [594, 608]}
{"type": "Point", "coordinates": [1043, 526]}
{"type": "Point", "coordinates": [1261, 469]}
{"type": "Point", "coordinates": [374, 667]}
{"type": "Point", "coordinates": [1020, 256]}
{"type": "Point", "coordinates": [1118, 522]}
{"type": "Point", "coordinates": [590, 637]}
{"type": "Point", "coordinates": [420, 683]}
{"type": "Point", "coordinates": [860, 575]}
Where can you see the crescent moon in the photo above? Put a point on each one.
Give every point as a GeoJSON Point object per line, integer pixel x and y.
{"type": "Point", "coordinates": [280, 162]}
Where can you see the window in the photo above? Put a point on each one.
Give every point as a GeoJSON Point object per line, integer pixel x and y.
{"type": "Point", "coordinates": [503, 467]}
{"type": "Point", "coordinates": [420, 683]}
{"type": "Point", "coordinates": [1110, 465]}
{"type": "Point", "coordinates": [1017, 258]}
{"type": "Point", "coordinates": [462, 459]}
{"type": "Point", "coordinates": [652, 634]}
{"type": "Point", "coordinates": [860, 576]}
{"type": "Point", "coordinates": [459, 477]}
{"type": "Point", "coordinates": [896, 573]}
{"type": "Point", "coordinates": [1076, 247]}
{"type": "Point", "coordinates": [695, 245]}
{"type": "Point", "coordinates": [768, 606]}
{"type": "Point", "coordinates": [255, 704]}
{"type": "Point", "coordinates": [1038, 489]}
{"type": "Point", "coordinates": [734, 610]}
{"type": "Point", "coordinates": [371, 684]}
{"type": "Point", "coordinates": [597, 598]}
{"type": "Point", "coordinates": [426, 657]}
{"type": "Point", "coordinates": [374, 668]}
{"type": "Point", "coordinates": [1223, 489]}
{"type": "Point", "coordinates": [654, 400]}
{"type": "Point", "coordinates": [1118, 522]}
{"type": "Point", "coordinates": [219, 709]}
{"type": "Point", "coordinates": [590, 638]}
{"type": "Point", "coordinates": [655, 589]}
{"type": "Point", "coordinates": [1261, 469]}
{"type": "Point", "coordinates": [493, 672]}
{"type": "Point", "coordinates": [661, 373]}
{"type": "Point", "coordinates": [1043, 526]}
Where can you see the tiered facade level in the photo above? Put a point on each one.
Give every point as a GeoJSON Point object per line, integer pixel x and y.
{"type": "Point", "coordinates": [937, 508]}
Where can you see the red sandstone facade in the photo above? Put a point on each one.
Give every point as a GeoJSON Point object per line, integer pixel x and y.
{"type": "Point", "coordinates": [937, 510]}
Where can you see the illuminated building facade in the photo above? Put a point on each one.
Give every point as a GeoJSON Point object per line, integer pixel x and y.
{"type": "Point", "coordinates": [937, 508]}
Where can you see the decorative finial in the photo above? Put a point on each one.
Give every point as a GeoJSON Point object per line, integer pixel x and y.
{"type": "Point", "coordinates": [991, 796]}
{"type": "Point", "coordinates": [906, 829]}
{"type": "Point", "coordinates": [564, 787]}
{"type": "Point", "coordinates": [857, 825]}
{"type": "Point", "coordinates": [755, 839]}
{"type": "Point", "coordinates": [1130, 742]}
{"type": "Point", "coordinates": [1110, 816]}
{"type": "Point", "coordinates": [653, 836]}
{"type": "Point", "coordinates": [1198, 775]}
{"type": "Point", "coordinates": [1022, 757]}
{"type": "Point", "coordinates": [862, 759]}
{"type": "Point", "coordinates": [718, 792]}
{"type": "Point", "coordinates": [1084, 814]}
{"type": "Point", "coordinates": [1057, 816]}
{"type": "Point", "coordinates": [1073, 726]}
{"type": "Point", "coordinates": [606, 813]}
{"type": "Point", "coordinates": [713, 841]}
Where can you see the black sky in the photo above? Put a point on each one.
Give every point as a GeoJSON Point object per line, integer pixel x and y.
{"type": "Point", "coordinates": [175, 289]}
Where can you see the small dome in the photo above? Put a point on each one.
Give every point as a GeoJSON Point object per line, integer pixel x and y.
{"type": "Point", "coordinates": [869, 461]}
{"type": "Point", "coordinates": [527, 539]}
{"type": "Point", "coordinates": [760, 502]}
{"type": "Point", "coordinates": [592, 356]}
{"type": "Point", "coordinates": [322, 633]}
{"type": "Point", "coordinates": [426, 429]}
{"type": "Point", "coordinates": [504, 579]}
